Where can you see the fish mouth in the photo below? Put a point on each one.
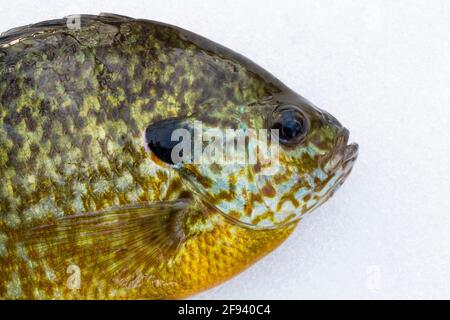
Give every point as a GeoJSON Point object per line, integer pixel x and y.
{"type": "Point", "coordinates": [338, 165]}
{"type": "Point", "coordinates": [349, 151]}
{"type": "Point", "coordinates": [343, 155]}
{"type": "Point", "coordinates": [350, 154]}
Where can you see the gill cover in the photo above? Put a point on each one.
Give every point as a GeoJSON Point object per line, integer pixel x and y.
{"type": "Point", "coordinates": [238, 183]}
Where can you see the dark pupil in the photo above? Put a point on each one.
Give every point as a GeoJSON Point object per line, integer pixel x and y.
{"type": "Point", "coordinates": [290, 125]}
{"type": "Point", "coordinates": [291, 129]}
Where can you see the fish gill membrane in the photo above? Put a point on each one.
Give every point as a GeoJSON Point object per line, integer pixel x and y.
{"type": "Point", "coordinates": [141, 161]}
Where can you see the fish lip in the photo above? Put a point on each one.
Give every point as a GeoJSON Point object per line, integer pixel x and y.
{"type": "Point", "coordinates": [350, 153]}
{"type": "Point", "coordinates": [342, 159]}
{"type": "Point", "coordinates": [343, 155]}
{"type": "Point", "coordinates": [342, 145]}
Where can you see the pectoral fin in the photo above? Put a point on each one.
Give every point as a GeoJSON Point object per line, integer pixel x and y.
{"type": "Point", "coordinates": [127, 239]}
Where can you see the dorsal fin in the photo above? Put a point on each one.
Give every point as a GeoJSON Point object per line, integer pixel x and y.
{"type": "Point", "coordinates": [58, 24]}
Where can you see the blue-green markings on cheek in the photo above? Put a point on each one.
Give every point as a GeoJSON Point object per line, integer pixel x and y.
{"type": "Point", "coordinates": [320, 174]}
{"type": "Point", "coordinates": [301, 193]}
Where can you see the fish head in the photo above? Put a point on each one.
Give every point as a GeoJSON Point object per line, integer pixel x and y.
{"type": "Point", "coordinates": [315, 158]}
{"type": "Point", "coordinates": [262, 165]}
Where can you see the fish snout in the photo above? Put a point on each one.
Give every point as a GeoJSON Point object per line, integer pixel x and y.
{"type": "Point", "coordinates": [343, 155]}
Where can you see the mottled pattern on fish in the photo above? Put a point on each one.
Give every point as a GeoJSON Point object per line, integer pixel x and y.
{"type": "Point", "coordinates": [218, 251]}
{"type": "Point", "coordinates": [68, 113]}
{"type": "Point", "coordinates": [80, 188]}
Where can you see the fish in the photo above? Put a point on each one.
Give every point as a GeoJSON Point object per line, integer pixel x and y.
{"type": "Point", "coordinates": [93, 204]}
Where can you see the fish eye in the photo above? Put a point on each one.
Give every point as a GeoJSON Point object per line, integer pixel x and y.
{"type": "Point", "coordinates": [291, 123]}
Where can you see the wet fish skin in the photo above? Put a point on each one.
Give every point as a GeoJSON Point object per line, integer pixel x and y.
{"type": "Point", "coordinates": [62, 90]}
{"type": "Point", "coordinates": [74, 104]}
{"type": "Point", "coordinates": [71, 110]}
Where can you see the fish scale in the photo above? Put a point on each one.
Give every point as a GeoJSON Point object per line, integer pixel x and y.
{"type": "Point", "coordinates": [82, 193]}
{"type": "Point", "coordinates": [71, 117]}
